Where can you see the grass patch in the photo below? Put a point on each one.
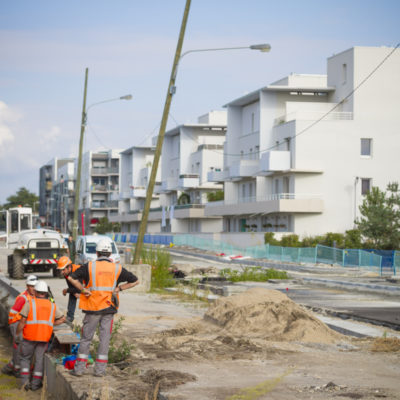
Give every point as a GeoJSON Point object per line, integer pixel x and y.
{"type": "Point", "coordinates": [254, 274]}
{"type": "Point", "coordinates": [260, 390]}
{"type": "Point", "coordinates": [160, 261]}
{"type": "Point", "coordinates": [386, 345]}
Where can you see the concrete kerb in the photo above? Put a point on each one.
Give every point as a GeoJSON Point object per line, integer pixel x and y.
{"type": "Point", "coordinates": [143, 273]}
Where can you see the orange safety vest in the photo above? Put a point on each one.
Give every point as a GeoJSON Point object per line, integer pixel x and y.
{"type": "Point", "coordinates": [14, 315]}
{"type": "Point", "coordinates": [39, 324]}
{"type": "Point", "coordinates": [103, 277]}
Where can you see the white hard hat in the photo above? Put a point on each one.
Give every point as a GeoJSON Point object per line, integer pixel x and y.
{"type": "Point", "coordinates": [41, 286]}
{"type": "Point", "coordinates": [104, 246]}
{"type": "Point", "coordinates": [31, 280]}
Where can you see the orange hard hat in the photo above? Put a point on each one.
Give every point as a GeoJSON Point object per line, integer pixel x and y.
{"type": "Point", "coordinates": [63, 262]}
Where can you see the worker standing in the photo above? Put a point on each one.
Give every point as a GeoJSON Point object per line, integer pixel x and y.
{"type": "Point", "coordinates": [67, 268]}
{"type": "Point", "coordinates": [99, 301]}
{"type": "Point", "coordinates": [13, 366]}
{"type": "Point", "coordinates": [38, 316]}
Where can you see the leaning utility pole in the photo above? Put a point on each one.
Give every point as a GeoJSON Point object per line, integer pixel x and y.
{"type": "Point", "coordinates": [78, 172]}
{"type": "Point", "coordinates": [170, 93]}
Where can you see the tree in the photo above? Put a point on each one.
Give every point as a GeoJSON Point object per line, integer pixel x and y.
{"type": "Point", "coordinates": [23, 197]}
{"type": "Point", "coordinates": [379, 223]}
{"type": "Point", "coordinates": [103, 226]}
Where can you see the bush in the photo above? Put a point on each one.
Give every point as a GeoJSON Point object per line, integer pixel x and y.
{"type": "Point", "coordinates": [270, 239]}
{"type": "Point", "coordinates": [290, 241]}
{"type": "Point", "coordinates": [160, 261]}
{"type": "Point", "coordinates": [253, 274]}
{"type": "Point", "coordinates": [215, 196]}
{"type": "Point", "coordinates": [119, 350]}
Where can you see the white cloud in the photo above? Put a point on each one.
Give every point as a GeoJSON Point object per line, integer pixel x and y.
{"type": "Point", "coordinates": [7, 119]}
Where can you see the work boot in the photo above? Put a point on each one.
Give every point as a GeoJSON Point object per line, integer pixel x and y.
{"type": "Point", "coordinates": [74, 373]}
{"type": "Point", "coordinates": [16, 373]}
{"type": "Point", "coordinates": [37, 387]}
{"type": "Point", "coordinates": [8, 369]}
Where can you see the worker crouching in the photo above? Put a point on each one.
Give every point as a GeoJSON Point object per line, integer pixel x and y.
{"type": "Point", "coordinates": [38, 316]}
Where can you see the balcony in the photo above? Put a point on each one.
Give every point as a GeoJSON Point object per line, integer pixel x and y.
{"type": "Point", "coordinates": [139, 192]}
{"type": "Point", "coordinates": [189, 181]}
{"type": "Point", "coordinates": [313, 116]}
{"type": "Point", "coordinates": [169, 185]}
{"type": "Point", "coordinates": [272, 161]}
{"type": "Point", "coordinates": [101, 204]}
{"type": "Point", "coordinates": [113, 187]}
{"type": "Point", "coordinates": [98, 188]}
{"type": "Point", "coordinates": [274, 203]}
{"type": "Point", "coordinates": [113, 171]}
{"type": "Point", "coordinates": [99, 171]}
{"type": "Point", "coordinates": [242, 169]}
{"type": "Point", "coordinates": [216, 175]}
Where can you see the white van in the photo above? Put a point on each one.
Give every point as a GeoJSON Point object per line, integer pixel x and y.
{"type": "Point", "coordinates": [86, 249]}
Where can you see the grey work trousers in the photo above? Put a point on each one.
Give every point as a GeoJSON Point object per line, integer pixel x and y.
{"type": "Point", "coordinates": [90, 323]}
{"type": "Point", "coordinates": [28, 349]}
{"type": "Point", "coordinates": [15, 354]}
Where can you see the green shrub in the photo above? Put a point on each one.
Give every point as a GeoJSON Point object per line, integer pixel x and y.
{"type": "Point", "coordinates": [119, 349]}
{"type": "Point", "coordinates": [253, 274]}
{"type": "Point", "coordinates": [215, 196]}
{"type": "Point", "coordinates": [270, 239]}
{"type": "Point", "coordinates": [352, 239]}
{"type": "Point", "coordinates": [290, 241]}
{"type": "Point", "coordinates": [160, 261]}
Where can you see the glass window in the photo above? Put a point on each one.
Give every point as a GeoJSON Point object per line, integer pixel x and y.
{"type": "Point", "coordinates": [25, 222]}
{"type": "Point", "coordinates": [14, 222]}
{"type": "Point", "coordinates": [366, 147]}
{"type": "Point", "coordinates": [91, 248]}
{"type": "Point", "coordinates": [344, 73]}
{"type": "Point", "coordinates": [365, 186]}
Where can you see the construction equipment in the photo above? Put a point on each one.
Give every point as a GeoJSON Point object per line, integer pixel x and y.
{"type": "Point", "coordinates": [34, 250]}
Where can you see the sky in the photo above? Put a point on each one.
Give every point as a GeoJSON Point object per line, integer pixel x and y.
{"type": "Point", "coordinates": [129, 46]}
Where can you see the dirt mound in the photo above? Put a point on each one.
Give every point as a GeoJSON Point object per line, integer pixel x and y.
{"type": "Point", "coordinates": [268, 314]}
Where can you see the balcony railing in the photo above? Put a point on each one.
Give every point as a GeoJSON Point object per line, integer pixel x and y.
{"type": "Point", "coordinates": [275, 161]}
{"type": "Point", "coordinates": [271, 197]}
{"type": "Point", "coordinates": [242, 169]}
{"type": "Point", "coordinates": [187, 181]}
{"type": "Point", "coordinates": [98, 188]}
{"type": "Point", "coordinates": [104, 204]}
{"type": "Point", "coordinates": [313, 116]}
{"type": "Point", "coordinates": [169, 184]}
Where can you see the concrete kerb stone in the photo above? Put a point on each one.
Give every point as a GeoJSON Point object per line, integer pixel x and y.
{"type": "Point", "coordinates": [143, 273]}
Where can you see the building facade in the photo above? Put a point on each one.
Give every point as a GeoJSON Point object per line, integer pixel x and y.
{"type": "Point", "coordinates": [99, 187]}
{"type": "Point", "coordinates": [190, 151]}
{"type": "Point", "coordinates": [136, 165]}
{"type": "Point", "coordinates": [302, 152]}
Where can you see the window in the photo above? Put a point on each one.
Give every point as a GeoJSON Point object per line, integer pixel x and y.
{"type": "Point", "coordinates": [366, 147]}
{"type": "Point", "coordinates": [252, 122]}
{"type": "Point", "coordinates": [344, 73]}
{"type": "Point", "coordinates": [365, 186]}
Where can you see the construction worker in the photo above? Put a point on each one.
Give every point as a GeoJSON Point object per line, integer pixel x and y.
{"type": "Point", "coordinates": [99, 301]}
{"type": "Point", "coordinates": [67, 268]}
{"type": "Point", "coordinates": [13, 366]}
{"type": "Point", "coordinates": [38, 316]}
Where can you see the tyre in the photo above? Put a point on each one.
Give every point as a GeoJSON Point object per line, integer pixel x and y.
{"type": "Point", "coordinates": [17, 268]}
{"type": "Point", "coordinates": [9, 264]}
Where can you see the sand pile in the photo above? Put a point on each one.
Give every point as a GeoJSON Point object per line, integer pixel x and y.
{"type": "Point", "coordinates": [268, 314]}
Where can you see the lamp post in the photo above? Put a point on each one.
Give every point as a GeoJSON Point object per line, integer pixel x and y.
{"type": "Point", "coordinates": [78, 172]}
{"type": "Point", "coordinates": [171, 91]}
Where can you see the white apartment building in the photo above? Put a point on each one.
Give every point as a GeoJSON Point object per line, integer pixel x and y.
{"type": "Point", "coordinates": [48, 177]}
{"type": "Point", "coordinates": [99, 189]}
{"type": "Point", "coordinates": [302, 152]}
{"type": "Point", "coordinates": [63, 195]}
{"type": "Point", "coordinates": [136, 165]}
{"type": "Point", "coordinates": [190, 151]}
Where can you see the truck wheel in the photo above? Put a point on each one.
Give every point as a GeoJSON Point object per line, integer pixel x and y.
{"type": "Point", "coordinates": [9, 264]}
{"type": "Point", "coordinates": [17, 268]}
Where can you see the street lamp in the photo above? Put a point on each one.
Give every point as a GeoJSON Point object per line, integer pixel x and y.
{"type": "Point", "coordinates": [157, 153]}
{"type": "Point", "coordinates": [78, 172]}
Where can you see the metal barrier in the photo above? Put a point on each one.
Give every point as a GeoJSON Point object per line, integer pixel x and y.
{"type": "Point", "coordinates": [313, 255]}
